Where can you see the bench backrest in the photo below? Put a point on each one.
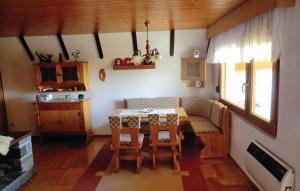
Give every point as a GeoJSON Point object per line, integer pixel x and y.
{"type": "Point", "coordinates": [155, 103]}
{"type": "Point", "coordinates": [198, 106]}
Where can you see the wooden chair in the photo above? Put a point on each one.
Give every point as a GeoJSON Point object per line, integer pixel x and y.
{"type": "Point", "coordinates": [162, 136]}
{"type": "Point", "coordinates": [126, 141]}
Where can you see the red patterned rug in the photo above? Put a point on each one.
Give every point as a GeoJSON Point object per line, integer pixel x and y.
{"type": "Point", "coordinates": [191, 178]}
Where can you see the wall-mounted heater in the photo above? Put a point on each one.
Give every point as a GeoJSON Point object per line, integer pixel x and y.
{"type": "Point", "coordinates": [267, 171]}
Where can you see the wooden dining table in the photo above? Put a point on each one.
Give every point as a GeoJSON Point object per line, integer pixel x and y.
{"type": "Point", "coordinates": [143, 113]}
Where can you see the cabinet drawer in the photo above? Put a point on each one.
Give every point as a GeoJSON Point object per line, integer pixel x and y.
{"type": "Point", "coordinates": [59, 106]}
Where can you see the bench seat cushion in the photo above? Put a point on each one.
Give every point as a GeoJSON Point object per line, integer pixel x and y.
{"type": "Point", "coordinates": [201, 125]}
{"type": "Point", "coordinates": [126, 138]}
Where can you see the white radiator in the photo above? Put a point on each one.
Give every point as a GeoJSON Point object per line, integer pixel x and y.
{"type": "Point", "coordinates": [267, 171]}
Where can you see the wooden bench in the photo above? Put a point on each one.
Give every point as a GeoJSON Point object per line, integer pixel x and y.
{"type": "Point", "coordinates": [209, 121]}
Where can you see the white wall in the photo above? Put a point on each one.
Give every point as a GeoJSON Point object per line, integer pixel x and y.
{"type": "Point", "coordinates": [18, 75]}
{"type": "Point", "coordinates": [287, 143]}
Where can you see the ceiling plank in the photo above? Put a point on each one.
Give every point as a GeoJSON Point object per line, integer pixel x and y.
{"type": "Point", "coordinates": [49, 17]}
{"type": "Point", "coordinates": [244, 12]}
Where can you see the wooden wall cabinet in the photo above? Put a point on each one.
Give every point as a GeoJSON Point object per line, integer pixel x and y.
{"type": "Point", "coordinates": [65, 76]}
{"type": "Point", "coordinates": [193, 70]}
{"type": "Point", "coordinates": [63, 118]}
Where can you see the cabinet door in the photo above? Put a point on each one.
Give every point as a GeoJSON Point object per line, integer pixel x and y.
{"type": "Point", "coordinates": [72, 121]}
{"type": "Point", "coordinates": [50, 120]}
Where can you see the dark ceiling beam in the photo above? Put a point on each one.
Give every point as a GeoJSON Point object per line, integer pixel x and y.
{"type": "Point", "coordinates": [172, 42]}
{"type": "Point", "coordinates": [26, 47]}
{"type": "Point", "coordinates": [134, 42]}
{"type": "Point", "coordinates": [98, 44]}
{"type": "Point", "coordinates": [208, 44]}
{"type": "Point", "coordinates": [62, 45]}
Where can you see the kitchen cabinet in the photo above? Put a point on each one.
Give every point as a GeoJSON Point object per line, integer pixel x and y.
{"type": "Point", "coordinates": [63, 117]}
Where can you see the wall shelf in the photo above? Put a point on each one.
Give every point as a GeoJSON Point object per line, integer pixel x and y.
{"type": "Point", "coordinates": [134, 67]}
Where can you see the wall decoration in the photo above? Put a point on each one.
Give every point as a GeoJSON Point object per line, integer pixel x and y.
{"type": "Point", "coordinates": [75, 54]}
{"type": "Point", "coordinates": [126, 62]}
{"type": "Point", "coordinates": [118, 62]}
{"type": "Point", "coordinates": [44, 58]}
{"type": "Point", "coordinates": [102, 74]}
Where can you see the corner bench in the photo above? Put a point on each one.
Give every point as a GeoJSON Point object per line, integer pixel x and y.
{"type": "Point", "coordinates": [209, 121]}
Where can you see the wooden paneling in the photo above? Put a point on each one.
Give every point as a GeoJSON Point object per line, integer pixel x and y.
{"type": "Point", "coordinates": [245, 12]}
{"type": "Point", "coordinates": [46, 17]}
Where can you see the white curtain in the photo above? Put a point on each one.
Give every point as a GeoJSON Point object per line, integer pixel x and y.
{"type": "Point", "coordinates": [257, 39]}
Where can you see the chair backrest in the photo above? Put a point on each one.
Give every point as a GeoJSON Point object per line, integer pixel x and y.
{"type": "Point", "coordinates": [115, 124]}
{"type": "Point", "coordinates": [134, 124]}
{"type": "Point", "coordinates": [171, 127]}
{"type": "Point", "coordinates": [172, 119]}
{"type": "Point", "coordinates": [153, 119]}
{"type": "Point", "coordinates": [117, 129]}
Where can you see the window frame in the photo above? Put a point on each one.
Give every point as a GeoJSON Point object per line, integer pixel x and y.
{"type": "Point", "coordinates": [267, 126]}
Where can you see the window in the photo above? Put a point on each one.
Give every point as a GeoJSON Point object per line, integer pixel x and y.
{"type": "Point", "coordinates": [251, 90]}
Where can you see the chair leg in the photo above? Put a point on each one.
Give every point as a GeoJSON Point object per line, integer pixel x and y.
{"type": "Point", "coordinates": [175, 158]}
{"type": "Point", "coordinates": [180, 151]}
{"type": "Point", "coordinates": [154, 158]}
{"type": "Point", "coordinates": [141, 158]}
{"type": "Point", "coordinates": [138, 165]}
{"type": "Point", "coordinates": [117, 161]}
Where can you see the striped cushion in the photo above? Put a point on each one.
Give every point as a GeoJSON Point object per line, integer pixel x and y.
{"type": "Point", "coordinates": [114, 122]}
{"type": "Point", "coordinates": [197, 106]}
{"type": "Point", "coordinates": [164, 136]}
{"type": "Point", "coordinates": [172, 119]}
{"type": "Point", "coordinates": [126, 139]}
{"type": "Point", "coordinates": [153, 119]}
{"type": "Point", "coordinates": [217, 113]}
{"type": "Point", "coordinates": [202, 125]}
{"type": "Point", "coordinates": [155, 103]}
{"type": "Point", "coordinates": [134, 122]}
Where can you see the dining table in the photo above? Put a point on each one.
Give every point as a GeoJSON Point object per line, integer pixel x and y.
{"type": "Point", "coordinates": [143, 113]}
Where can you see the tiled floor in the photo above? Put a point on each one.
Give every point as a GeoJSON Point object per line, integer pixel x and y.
{"type": "Point", "coordinates": [59, 164]}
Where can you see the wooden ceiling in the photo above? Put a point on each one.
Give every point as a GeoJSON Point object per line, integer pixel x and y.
{"type": "Point", "coordinates": [46, 17]}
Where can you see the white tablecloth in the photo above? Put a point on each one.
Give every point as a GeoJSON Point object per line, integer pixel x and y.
{"type": "Point", "coordinates": [145, 112]}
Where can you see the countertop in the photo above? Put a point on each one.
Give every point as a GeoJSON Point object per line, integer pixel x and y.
{"type": "Point", "coordinates": [63, 101]}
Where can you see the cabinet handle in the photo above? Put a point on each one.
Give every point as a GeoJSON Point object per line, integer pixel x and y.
{"type": "Point", "coordinates": [79, 113]}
